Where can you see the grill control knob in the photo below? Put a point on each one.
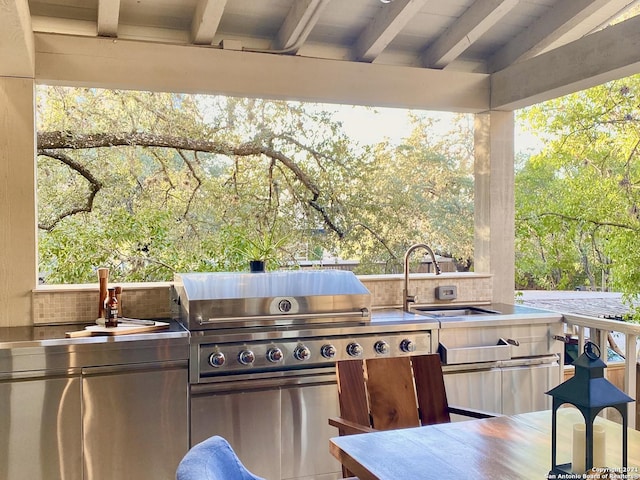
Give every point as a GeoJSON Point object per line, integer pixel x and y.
{"type": "Point", "coordinates": [216, 359]}
{"type": "Point", "coordinates": [381, 347]}
{"type": "Point", "coordinates": [328, 351]}
{"type": "Point", "coordinates": [354, 349]}
{"type": "Point", "coordinates": [407, 346]}
{"type": "Point", "coordinates": [274, 355]}
{"type": "Point", "coordinates": [246, 357]}
{"type": "Point", "coordinates": [301, 353]}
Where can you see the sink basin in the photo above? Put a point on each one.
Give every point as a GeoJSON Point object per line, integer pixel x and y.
{"type": "Point", "coordinates": [453, 312]}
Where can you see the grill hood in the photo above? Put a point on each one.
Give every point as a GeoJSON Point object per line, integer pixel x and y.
{"type": "Point", "coordinates": [224, 300]}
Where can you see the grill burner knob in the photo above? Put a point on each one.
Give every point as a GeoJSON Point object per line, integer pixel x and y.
{"type": "Point", "coordinates": [381, 347]}
{"type": "Point", "coordinates": [354, 349]}
{"type": "Point", "coordinates": [274, 355]}
{"type": "Point", "coordinates": [216, 359]}
{"type": "Point", "coordinates": [407, 346]}
{"type": "Point", "coordinates": [328, 351]}
{"type": "Point", "coordinates": [301, 353]}
{"type": "Point", "coordinates": [246, 357]}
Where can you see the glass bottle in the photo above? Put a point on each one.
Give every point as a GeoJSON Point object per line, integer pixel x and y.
{"type": "Point", "coordinates": [111, 309]}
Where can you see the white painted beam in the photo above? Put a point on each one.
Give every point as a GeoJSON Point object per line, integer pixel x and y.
{"type": "Point", "coordinates": [564, 23]}
{"type": "Point", "coordinates": [110, 63]}
{"type": "Point", "coordinates": [384, 28]}
{"type": "Point", "coordinates": [16, 39]}
{"type": "Point", "coordinates": [65, 26]}
{"type": "Point", "coordinates": [295, 29]}
{"type": "Point", "coordinates": [206, 20]}
{"type": "Point", "coordinates": [108, 15]}
{"type": "Point", "coordinates": [603, 56]}
{"type": "Point", "coordinates": [477, 20]}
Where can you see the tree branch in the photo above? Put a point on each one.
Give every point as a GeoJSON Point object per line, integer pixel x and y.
{"type": "Point", "coordinates": [94, 187]}
{"type": "Point", "coordinates": [195, 175]}
{"type": "Point", "coordinates": [375, 234]}
{"type": "Point", "coordinates": [577, 219]}
{"type": "Point", "coordinates": [68, 140]}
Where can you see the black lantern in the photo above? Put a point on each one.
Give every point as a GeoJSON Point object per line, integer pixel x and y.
{"type": "Point", "coordinates": [590, 393]}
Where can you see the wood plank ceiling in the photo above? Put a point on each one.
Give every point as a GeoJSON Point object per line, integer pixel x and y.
{"type": "Point", "coordinates": [471, 55]}
{"type": "Point", "coordinates": [469, 35]}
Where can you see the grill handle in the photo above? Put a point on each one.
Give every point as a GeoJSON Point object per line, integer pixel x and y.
{"type": "Point", "coordinates": [364, 313]}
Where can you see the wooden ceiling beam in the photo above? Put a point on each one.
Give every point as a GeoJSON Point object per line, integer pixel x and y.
{"type": "Point", "coordinates": [564, 23]}
{"type": "Point", "coordinates": [295, 29]}
{"type": "Point", "coordinates": [17, 54]}
{"type": "Point", "coordinates": [206, 20]}
{"type": "Point", "coordinates": [108, 15]}
{"type": "Point", "coordinates": [385, 27]}
{"type": "Point", "coordinates": [603, 56]}
{"type": "Point", "coordinates": [477, 20]}
{"type": "Point", "coordinates": [127, 64]}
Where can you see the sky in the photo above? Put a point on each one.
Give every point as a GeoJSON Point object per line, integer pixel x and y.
{"type": "Point", "coordinates": [367, 125]}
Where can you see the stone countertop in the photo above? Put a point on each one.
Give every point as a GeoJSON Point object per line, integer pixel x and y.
{"type": "Point", "coordinates": [423, 276]}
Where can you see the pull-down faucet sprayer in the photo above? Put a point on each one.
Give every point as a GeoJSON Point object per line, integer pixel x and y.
{"type": "Point", "coordinates": [407, 299]}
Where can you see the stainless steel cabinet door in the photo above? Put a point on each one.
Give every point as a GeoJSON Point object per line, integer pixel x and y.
{"type": "Point", "coordinates": [135, 422]}
{"type": "Point", "coordinates": [523, 388]}
{"type": "Point", "coordinates": [479, 389]}
{"type": "Point", "coordinates": [250, 421]}
{"type": "Point", "coordinates": [306, 432]}
{"type": "Point", "coordinates": [40, 429]}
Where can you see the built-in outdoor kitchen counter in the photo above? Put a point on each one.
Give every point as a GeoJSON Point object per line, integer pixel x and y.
{"type": "Point", "coordinates": [499, 314]}
{"type": "Point", "coordinates": [45, 335]}
{"type": "Point", "coordinates": [498, 357]}
{"type": "Point", "coordinates": [92, 407]}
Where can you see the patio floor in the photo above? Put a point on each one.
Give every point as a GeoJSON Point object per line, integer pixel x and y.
{"type": "Point", "coordinates": [594, 304]}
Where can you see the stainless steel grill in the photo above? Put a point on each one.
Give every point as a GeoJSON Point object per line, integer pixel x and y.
{"type": "Point", "coordinates": [251, 324]}
{"type": "Point", "coordinates": [262, 360]}
{"type": "Point", "coordinates": [224, 300]}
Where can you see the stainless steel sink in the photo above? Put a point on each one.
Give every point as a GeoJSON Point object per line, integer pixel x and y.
{"type": "Point", "coordinates": [453, 312]}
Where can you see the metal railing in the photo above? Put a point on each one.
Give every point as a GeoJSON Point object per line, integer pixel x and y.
{"type": "Point", "coordinates": [599, 329]}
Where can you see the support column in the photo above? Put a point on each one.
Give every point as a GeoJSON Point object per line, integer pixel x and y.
{"type": "Point", "coordinates": [494, 246]}
{"type": "Point", "coordinates": [18, 259]}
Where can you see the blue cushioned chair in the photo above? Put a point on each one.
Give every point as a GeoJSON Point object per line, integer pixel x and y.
{"type": "Point", "coordinates": [213, 459]}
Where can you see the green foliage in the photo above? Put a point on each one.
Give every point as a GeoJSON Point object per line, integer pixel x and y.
{"type": "Point", "coordinates": [418, 191]}
{"type": "Point", "coordinates": [577, 219]}
{"type": "Point", "coordinates": [305, 188]}
{"type": "Point", "coordinates": [252, 244]}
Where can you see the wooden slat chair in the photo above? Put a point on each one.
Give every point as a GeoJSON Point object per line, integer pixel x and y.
{"type": "Point", "coordinates": [390, 393]}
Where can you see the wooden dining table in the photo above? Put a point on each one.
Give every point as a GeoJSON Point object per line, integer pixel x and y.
{"type": "Point", "coordinates": [508, 447]}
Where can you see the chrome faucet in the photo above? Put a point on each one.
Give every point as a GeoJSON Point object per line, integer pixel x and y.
{"type": "Point", "coordinates": [407, 299]}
